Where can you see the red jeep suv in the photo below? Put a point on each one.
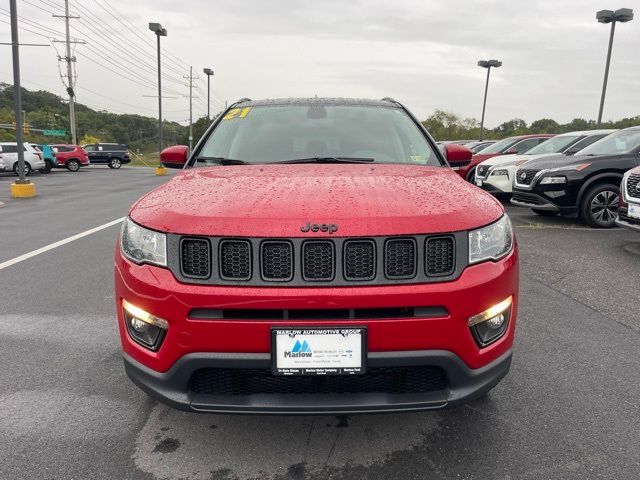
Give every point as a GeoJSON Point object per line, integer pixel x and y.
{"type": "Point", "coordinates": [316, 256]}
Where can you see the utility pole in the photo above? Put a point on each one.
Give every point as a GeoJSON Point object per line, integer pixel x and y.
{"type": "Point", "coordinates": [70, 77]}
{"type": "Point", "coordinates": [191, 78]}
{"type": "Point", "coordinates": [209, 73]}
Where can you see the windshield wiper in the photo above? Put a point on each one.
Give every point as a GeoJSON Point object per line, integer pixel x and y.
{"type": "Point", "coordinates": [221, 161]}
{"type": "Point", "coordinates": [329, 160]}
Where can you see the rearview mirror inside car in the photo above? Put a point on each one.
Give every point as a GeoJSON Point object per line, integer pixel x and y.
{"type": "Point", "coordinates": [457, 155]}
{"type": "Point", "coordinates": [174, 157]}
{"type": "Point", "coordinates": [511, 151]}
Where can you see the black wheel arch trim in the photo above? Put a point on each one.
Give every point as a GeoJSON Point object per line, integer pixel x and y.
{"type": "Point", "coordinates": [615, 178]}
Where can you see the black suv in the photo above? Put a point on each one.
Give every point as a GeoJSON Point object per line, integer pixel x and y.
{"type": "Point", "coordinates": [112, 154]}
{"type": "Point", "coordinates": [585, 185]}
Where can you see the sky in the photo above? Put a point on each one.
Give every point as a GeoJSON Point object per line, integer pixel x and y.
{"type": "Point", "coordinates": [423, 53]}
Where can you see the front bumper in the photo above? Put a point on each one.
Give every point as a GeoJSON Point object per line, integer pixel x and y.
{"type": "Point", "coordinates": [500, 183]}
{"type": "Point", "coordinates": [174, 386]}
{"type": "Point", "coordinates": [625, 221]}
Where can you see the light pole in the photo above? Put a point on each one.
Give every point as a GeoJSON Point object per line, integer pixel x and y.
{"type": "Point", "coordinates": [160, 32]}
{"type": "Point", "coordinates": [486, 64]}
{"type": "Point", "coordinates": [622, 15]}
{"type": "Point", "coordinates": [209, 73]}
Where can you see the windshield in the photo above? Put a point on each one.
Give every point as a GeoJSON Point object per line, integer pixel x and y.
{"type": "Point", "coordinates": [553, 145]}
{"type": "Point", "coordinates": [499, 147]}
{"type": "Point", "coordinates": [278, 133]}
{"type": "Point", "coordinates": [620, 142]}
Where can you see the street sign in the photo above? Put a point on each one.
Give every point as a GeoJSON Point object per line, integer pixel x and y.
{"type": "Point", "coordinates": [54, 133]}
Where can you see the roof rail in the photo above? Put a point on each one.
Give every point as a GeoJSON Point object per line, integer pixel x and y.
{"type": "Point", "coordinates": [243, 99]}
{"type": "Point", "coordinates": [389, 99]}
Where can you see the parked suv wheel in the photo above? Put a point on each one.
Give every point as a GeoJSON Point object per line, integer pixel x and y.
{"type": "Point", "coordinates": [471, 176]}
{"type": "Point", "coordinates": [27, 168]}
{"type": "Point", "coordinates": [599, 206]}
{"type": "Point", "coordinates": [115, 163]}
{"type": "Point", "coordinates": [73, 165]}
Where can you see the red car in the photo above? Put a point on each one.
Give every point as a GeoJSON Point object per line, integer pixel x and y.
{"type": "Point", "coordinates": [310, 259]}
{"type": "Point", "coordinates": [511, 145]}
{"type": "Point", "coordinates": [71, 157]}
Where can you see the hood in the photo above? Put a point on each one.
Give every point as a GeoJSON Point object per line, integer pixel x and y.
{"type": "Point", "coordinates": [513, 159]}
{"type": "Point", "coordinates": [556, 161]}
{"type": "Point", "coordinates": [278, 200]}
{"type": "Point", "coordinates": [482, 157]}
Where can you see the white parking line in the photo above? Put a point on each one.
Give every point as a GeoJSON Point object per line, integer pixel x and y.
{"type": "Point", "coordinates": [59, 243]}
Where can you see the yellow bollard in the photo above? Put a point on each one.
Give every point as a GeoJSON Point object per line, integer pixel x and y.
{"type": "Point", "coordinates": [23, 190]}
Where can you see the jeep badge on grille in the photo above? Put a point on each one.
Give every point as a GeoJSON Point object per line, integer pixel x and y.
{"type": "Point", "coordinates": [323, 227]}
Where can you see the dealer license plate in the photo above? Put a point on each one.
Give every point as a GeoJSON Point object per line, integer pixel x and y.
{"type": "Point", "coordinates": [318, 351]}
{"type": "Point", "coordinates": [634, 211]}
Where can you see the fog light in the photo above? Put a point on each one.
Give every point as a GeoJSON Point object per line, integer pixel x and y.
{"type": "Point", "coordinates": [490, 325]}
{"type": "Point", "coordinates": [144, 328]}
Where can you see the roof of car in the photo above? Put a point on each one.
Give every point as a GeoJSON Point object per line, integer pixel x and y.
{"type": "Point", "coordinates": [589, 132]}
{"type": "Point", "coordinates": [245, 102]}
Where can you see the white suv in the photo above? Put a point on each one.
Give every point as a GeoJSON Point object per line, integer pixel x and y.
{"type": "Point", "coordinates": [9, 158]}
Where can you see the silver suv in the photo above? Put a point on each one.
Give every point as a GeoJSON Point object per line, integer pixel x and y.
{"type": "Point", "coordinates": [9, 158]}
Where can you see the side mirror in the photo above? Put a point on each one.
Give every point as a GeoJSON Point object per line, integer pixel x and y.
{"type": "Point", "coordinates": [511, 151]}
{"type": "Point", "coordinates": [174, 157]}
{"type": "Point", "coordinates": [457, 155]}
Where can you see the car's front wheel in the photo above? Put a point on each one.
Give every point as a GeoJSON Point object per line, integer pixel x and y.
{"type": "Point", "coordinates": [599, 206]}
{"type": "Point", "coordinates": [73, 165]}
{"type": "Point", "coordinates": [471, 176]}
{"type": "Point", "coordinates": [115, 163]}
{"type": "Point", "coordinates": [27, 169]}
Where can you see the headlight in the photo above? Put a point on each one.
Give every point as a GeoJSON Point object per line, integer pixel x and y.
{"type": "Point", "coordinates": [491, 242]}
{"type": "Point", "coordinates": [553, 180]}
{"type": "Point", "coordinates": [499, 173]}
{"type": "Point", "coordinates": [142, 245]}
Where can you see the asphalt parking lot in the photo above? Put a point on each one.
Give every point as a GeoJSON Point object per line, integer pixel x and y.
{"type": "Point", "coordinates": [570, 407]}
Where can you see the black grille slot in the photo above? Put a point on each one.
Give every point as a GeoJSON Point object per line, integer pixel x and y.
{"type": "Point", "coordinates": [317, 314]}
{"type": "Point", "coordinates": [440, 256]}
{"type": "Point", "coordinates": [633, 186]}
{"type": "Point", "coordinates": [277, 261]}
{"type": "Point", "coordinates": [359, 260]}
{"type": "Point", "coordinates": [400, 258]}
{"type": "Point", "coordinates": [391, 380]}
{"type": "Point", "coordinates": [526, 198]}
{"type": "Point", "coordinates": [195, 258]}
{"type": "Point", "coordinates": [318, 260]}
{"type": "Point", "coordinates": [235, 259]}
{"type": "Point", "coordinates": [524, 176]}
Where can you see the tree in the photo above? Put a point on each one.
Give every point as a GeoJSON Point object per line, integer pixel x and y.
{"type": "Point", "coordinates": [544, 125]}
{"type": "Point", "coordinates": [87, 139]}
{"type": "Point", "coordinates": [516, 126]}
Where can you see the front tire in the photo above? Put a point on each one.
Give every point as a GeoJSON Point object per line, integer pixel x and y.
{"type": "Point", "coordinates": [544, 213]}
{"type": "Point", "coordinates": [471, 176]}
{"type": "Point", "coordinates": [73, 165]}
{"type": "Point", "coordinates": [599, 206]}
{"type": "Point", "coordinates": [115, 163]}
{"type": "Point", "coordinates": [27, 169]}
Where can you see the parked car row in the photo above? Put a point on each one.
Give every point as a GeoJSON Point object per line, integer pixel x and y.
{"type": "Point", "coordinates": [44, 158]}
{"type": "Point", "coordinates": [593, 175]}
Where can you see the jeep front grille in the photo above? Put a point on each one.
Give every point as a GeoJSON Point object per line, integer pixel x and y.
{"type": "Point", "coordinates": [400, 258]}
{"type": "Point", "coordinates": [235, 259]}
{"type": "Point", "coordinates": [196, 258]}
{"type": "Point", "coordinates": [277, 261]}
{"type": "Point", "coordinates": [322, 261]}
{"type": "Point", "coordinates": [318, 260]}
{"type": "Point", "coordinates": [440, 255]}
{"type": "Point", "coordinates": [359, 259]}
